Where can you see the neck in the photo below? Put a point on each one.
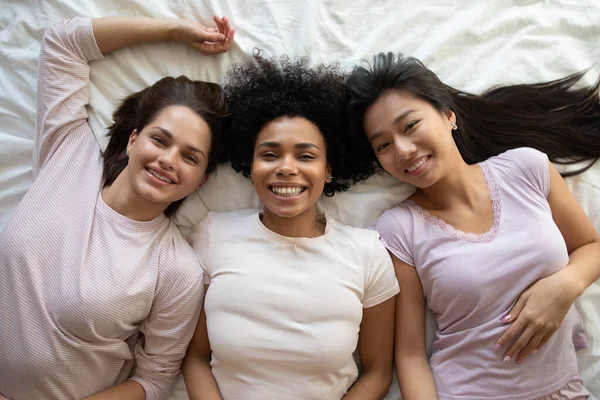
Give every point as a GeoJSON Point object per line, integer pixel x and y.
{"type": "Point", "coordinates": [121, 197]}
{"type": "Point", "coordinates": [303, 225]}
{"type": "Point", "coordinates": [461, 186]}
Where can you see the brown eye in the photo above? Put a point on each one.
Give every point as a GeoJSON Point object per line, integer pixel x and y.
{"type": "Point", "coordinates": [410, 125]}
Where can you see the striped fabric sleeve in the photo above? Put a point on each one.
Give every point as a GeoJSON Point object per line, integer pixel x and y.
{"type": "Point", "coordinates": [62, 87]}
{"type": "Point", "coordinates": [167, 331]}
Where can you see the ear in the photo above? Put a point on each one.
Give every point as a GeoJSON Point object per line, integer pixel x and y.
{"type": "Point", "coordinates": [132, 139]}
{"type": "Point", "coordinates": [449, 114]}
{"type": "Point", "coordinates": [204, 180]}
{"type": "Point", "coordinates": [328, 173]}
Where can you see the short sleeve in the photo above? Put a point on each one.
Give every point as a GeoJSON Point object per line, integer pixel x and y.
{"type": "Point", "coordinates": [381, 281]}
{"type": "Point", "coordinates": [200, 239]}
{"type": "Point", "coordinates": [393, 234]}
{"type": "Point", "coordinates": [535, 165]}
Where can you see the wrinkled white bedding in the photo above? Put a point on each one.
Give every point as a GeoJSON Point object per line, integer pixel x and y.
{"type": "Point", "coordinates": [471, 45]}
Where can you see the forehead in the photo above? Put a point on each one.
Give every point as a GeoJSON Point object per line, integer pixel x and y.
{"type": "Point", "coordinates": [388, 107]}
{"type": "Point", "coordinates": [288, 131]}
{"type": "Point", "coordinates": [183, 124]}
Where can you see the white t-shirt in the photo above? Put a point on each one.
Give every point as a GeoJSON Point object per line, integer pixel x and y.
{"type": "Point", "coordinates": [283, 314]}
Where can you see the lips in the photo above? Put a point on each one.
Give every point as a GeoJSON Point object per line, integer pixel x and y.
{"type": "Point", "coordinates": [288, 190]}
{"type": "Point", "coordinates": [417, 164]}
{"type": "Point", "coordinates": [161, 175]}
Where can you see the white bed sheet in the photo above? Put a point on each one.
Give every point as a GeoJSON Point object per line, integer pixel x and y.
{"type": "Point", "coordinates": [471, 45]}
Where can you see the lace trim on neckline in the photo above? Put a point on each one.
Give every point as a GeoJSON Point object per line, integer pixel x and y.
{"type": "Point", "coordinates": [471, 237]}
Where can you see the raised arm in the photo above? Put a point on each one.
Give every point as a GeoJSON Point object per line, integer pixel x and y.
{"type": "Point", "coordinates": [68, 47]}
{"type": "Point", "coordinates": [412, 365]}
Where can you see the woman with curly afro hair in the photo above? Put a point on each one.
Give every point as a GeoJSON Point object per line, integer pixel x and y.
{"type": "Point", "coordinates": [291, 293]}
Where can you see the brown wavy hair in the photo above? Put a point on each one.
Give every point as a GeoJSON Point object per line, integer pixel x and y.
{"type": "Point", "coordinates": [136, 111]}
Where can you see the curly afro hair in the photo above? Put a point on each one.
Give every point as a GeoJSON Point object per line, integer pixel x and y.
{"type": "Point", "coordinates": [263, 89]}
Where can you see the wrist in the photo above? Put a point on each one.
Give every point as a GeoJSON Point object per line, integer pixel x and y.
{"type": "Point", "coordinates": [573, 285]}
{"type": "Point", "coordinates": [172, 26]}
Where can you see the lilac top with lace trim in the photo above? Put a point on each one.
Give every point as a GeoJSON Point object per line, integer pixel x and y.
{"type": "Point", "coordinates": [471, 281]}
{"type": "Point", "coordinates": [471, 237]}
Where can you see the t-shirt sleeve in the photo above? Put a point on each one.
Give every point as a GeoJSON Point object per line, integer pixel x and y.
{"type": "Point", "coordinates": [393, 235]}
{"type": "Point", "coordinates": [381, 282]}
{"type": "Point", "coordinates": [169, 327]}
{"type": "Point", "coordinates": [535, 166]}
{"type": "Point", "coordinates": [201, 239]}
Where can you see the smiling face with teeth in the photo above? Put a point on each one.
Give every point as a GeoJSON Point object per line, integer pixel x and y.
{"type": "Point", "coordinates": [289, 168]}
{"type": "Point", "coordinates": [168, 158]}
{"type": "Point", "coordinates": [411, 139]}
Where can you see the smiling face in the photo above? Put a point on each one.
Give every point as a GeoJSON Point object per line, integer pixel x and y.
{"type": "Point", "coordinates": [411, 139]}
{"type": "Point", "coordinates": [289, 167]}
{"type": "Point", "coordinates": [168, 158]}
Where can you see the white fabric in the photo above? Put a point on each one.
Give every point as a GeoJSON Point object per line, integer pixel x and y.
{"type": "Point", "coordinates": [283, 314]}
{"type": "Point", "coordinates": [471, 45]}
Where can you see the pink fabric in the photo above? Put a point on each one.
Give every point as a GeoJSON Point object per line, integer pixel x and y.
{"type": "Point", "coordinates": [472, 280]}
{"type": "Point", "coordinates": [574, 390]}
{"type": "Point", "coordinates": [84, 291]}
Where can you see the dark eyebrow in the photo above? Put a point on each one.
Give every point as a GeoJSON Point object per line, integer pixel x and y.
{"type": "Point", "coordinates": [302, 146]}
{"type": "Point", "coordinates": [398, 118]}
{"type": "Point", "coordinates": [170, 136]}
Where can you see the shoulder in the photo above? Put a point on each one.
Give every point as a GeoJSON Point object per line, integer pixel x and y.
{"type": "Point", "coordinates": [524, 164]}
{"type": "Point", "coordinates": [523, 158]}
{"type": "Point", "coordinates": [359, 236]}
{"type": "Point", "coordinates": [395, 219]}
{"type": "Point", "coordinates": [177, 261]}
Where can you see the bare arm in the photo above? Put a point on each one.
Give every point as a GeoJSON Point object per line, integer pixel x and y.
{"type": "Point", "coordinates": [540, 310]}
{"type": "Point", "coordinates": [67, 48]}
{"type": "Point", "coordinates": [199, 380]}
{"type": "Point", "coordinates": [375, 347]}
{"type": "Point", "coordinates": [128, 390]}
{"type": "Point", "coordinates": [412, 365]}
{"type": "Point", "coordinates": [113, 33]}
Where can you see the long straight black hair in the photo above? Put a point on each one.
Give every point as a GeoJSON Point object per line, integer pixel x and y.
{"type": "Point", "coordinates": [553, 117]}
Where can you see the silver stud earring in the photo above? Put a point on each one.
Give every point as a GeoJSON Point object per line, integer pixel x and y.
{"type": "Point", "coordinates": [454, 127]}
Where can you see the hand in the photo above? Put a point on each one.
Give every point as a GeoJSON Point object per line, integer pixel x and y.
{"type": "Point", "coordinates": [3, 398]}
{"type": "Point", "coordinates": [206, 40]}
{"type": "Point", "coordinates": [538, 313]}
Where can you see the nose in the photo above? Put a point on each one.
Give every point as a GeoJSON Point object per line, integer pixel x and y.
{"type": "Point", "coordinates": [287, 166]}
{"type": "Point", "coordinates": [404, 149]}
{"type": "Point", "coordinates": [166, 159]}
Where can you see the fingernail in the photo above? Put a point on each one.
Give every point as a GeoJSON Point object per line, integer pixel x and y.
{"type": "Point", "coordinates": [533, 352]}
{"type": "Point", "coordinates": [506, 359]}
{"type": "Point", "coordinates": [496, 347]}
{"type": "Point", "coordinates": [520, 361]}
{"type": "Point", "coordinates": [505, 319]}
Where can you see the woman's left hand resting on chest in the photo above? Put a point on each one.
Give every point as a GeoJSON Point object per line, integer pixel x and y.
{"type": "Point", "coordinates": [541, 309]}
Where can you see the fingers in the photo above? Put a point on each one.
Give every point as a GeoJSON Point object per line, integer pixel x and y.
{"type": "Point", "coordinates": [531, 346]}
{"type": "Point", "coordinates": [519, 344]}
{"type": "Point", "coordinates": [516, 310]}
{"type": "Point", "coordinates": [511, 333]}
{"type": "Point", "coordinates": [545, 338]}
{"type": "Point", "coordinates": [220, 25]}
{"type": "Point", "coordinates": [227, 25]}
{"type": "Point", "coordinates": [216, 47]}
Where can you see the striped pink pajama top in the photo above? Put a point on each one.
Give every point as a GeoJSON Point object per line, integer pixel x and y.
{"type": "Point", "coordinates": [88, 297]}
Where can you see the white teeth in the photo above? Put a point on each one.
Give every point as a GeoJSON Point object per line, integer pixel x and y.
{"type": "Point", "coordinates": [162, 178]}
{"type": "Point", "coordinates": [417, 165]}
{"type": "Point", "coordinates": [287, 191]}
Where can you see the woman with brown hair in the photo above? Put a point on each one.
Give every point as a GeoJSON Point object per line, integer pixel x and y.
{"type": "Point", "coordinates": [99, 293]}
